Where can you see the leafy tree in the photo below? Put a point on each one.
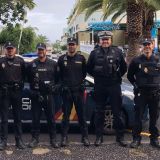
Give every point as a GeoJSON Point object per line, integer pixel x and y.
{"type": "Point", "coordinates": [14, 11]}
{"type": "Point", "coordinates": [41, 39]}
{"type": "Point", "coordinates": [28, 40]}
{"type": "Point", "coordinates": [64, 47]}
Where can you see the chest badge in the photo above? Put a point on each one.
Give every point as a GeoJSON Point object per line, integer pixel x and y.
{"type": "Point", "coordinates": [140, 66]}
{"type": "Point", "coordinates": [37, 75]}
{"type": "Point", "coordinates": [65, 63]}
{"type": "Point", "coordinates": [113, 51]}
{"type": "Point", "coordinates": [146, 70]}
{"type": "Point", "coordinates": [34, 65]}
{"type": "Point", "coordinates": [3, 65]}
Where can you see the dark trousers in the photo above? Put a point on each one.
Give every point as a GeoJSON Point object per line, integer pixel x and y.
{"type": "Point", "coordinates": [13, 98]}
{"type": "Point", "coordinates": [102, 94]}
{"type": "Point", "coordinates": [48, 105]}
{"type": "Point", "coordinates": [69, 99]}
{"type": "Point", "coordinates": [141, 101]}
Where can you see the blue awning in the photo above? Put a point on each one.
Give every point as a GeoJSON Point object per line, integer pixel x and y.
{"type": "Point", "coordinates": [104, 25]}
{"type": "Point", "coordinates": [157, 24]}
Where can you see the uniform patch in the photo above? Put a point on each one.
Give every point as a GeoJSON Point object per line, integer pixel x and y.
{"type": "Point", "coordinates": [78, 62]}
{"type": "Point", "coordinates": [37, 75]}
{"type": "Point", "coordinates": [34, 65]}
{"type": "Point", "coordinates": [113, 51]}
{"type": "Point", "coordinates": [3, 65]}
{"type": "Point", "coordinates": [65, 63]}
{"type": "Point", "coordinates": [42, 69]}
{"type": "Point", "coordinates": [17, 64]}
{"type": "Point", "coordinates": [146, 70]}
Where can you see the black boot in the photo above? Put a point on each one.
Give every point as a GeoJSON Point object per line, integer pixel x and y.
{"type": "Point", "coordinates": [155, 143]}
{"type": "Point", "coordinates": [135, 143]}
{"type": "Point", "coordinates": [34, 143]}
{"type": "Point", "coordinates": [85, 141]}
{"type": "Point", "coordinates": [20, 144]}
{"type": "Point", "coordinates": [3, 145]}
{"type": "Point", "coordinates": [54, 143]}
{"type": "Point", "coordinates": [120, 141]}
{"type": "Point", "coordinates": [98, 141]}
{"type": "Point", "coordinates": [64, 141]}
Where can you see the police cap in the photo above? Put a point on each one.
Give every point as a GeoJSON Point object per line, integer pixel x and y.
{"type": "Point", "coordinates": [147, 41]}
{"type": "Point", "coordinates": [105, 34]}
{"type": "Point", "coordinates": [71, 40]}
{"type": "Point", "coordinates": [9, 45]}
{"type": "Point", "coordinates": [41, 46]}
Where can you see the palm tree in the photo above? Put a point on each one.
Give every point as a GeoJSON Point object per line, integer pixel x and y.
{"type": "Point", "coordinates": [26, 3]}
{"type": "Point", "coordinates": [136, 11]}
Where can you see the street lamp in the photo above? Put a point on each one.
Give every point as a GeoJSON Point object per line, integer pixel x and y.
{"type": "Point", "coordinates": [21, 32]}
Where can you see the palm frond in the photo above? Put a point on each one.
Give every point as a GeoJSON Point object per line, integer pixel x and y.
{"type": "Point", "coordinates": [154, 3]}
{"type": "Point", "coordinates": [91, 10]}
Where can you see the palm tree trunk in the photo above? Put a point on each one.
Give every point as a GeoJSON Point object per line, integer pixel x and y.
{"type": "Point", "coordinates": [134, 27]}
{"type": "Point", "coordinates": [148, 22]}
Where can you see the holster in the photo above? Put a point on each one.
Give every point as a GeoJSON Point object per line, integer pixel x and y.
{"type": "Point", "coordinates": [4, 90]}
{"type": "Point", "coordinates": [35, 94]}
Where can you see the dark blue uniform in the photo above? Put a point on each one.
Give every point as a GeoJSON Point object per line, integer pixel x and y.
{"type": "Point", "coordinates": [107, 66]}
{"type": "Point", "coordinates": [12, 71]}
{"type": "Point", "coordinates": [43, 78]}
{"type": "Point", "coordinates": [144, 74]}
{"type": "Point", "coordinates": [72, 74]}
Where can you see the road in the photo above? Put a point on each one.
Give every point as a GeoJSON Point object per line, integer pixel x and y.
{"type": "Point", "coordinates": [76, 151]}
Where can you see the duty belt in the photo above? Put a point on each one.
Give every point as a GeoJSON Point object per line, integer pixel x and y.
{"type": "Point", "coordinates": [7, 88]}
{"type": "Point", "coordinates": [13, 86]}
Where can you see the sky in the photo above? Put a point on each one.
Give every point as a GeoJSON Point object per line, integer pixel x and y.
{"type": "Point", "coordinates": [50, 17]}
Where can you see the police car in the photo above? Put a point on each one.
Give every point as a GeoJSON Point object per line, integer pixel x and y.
{"type": "Point", "coordinates": [127, 110]}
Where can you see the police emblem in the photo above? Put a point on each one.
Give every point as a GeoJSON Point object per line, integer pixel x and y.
{"type": "Point", "coordinates": [37, 75]}
{"type": "Point", "coordinates": [34, 65]}
{"type": "Point", "coordinates": [113, 51]}
{"type": "Point", "coordinates": [145, 70]}
{"type": "Point", "coordinates": [65, 63]}
{"type": "Point", "coordinates": [3, 65]}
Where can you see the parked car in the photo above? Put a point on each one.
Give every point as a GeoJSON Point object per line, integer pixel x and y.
{"type": "Point", "coordinates": [127, 107]}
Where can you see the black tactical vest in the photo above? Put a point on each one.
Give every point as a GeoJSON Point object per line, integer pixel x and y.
{"type": "Point", "coordinates": [148, 74]}
{"type": "Point", "coordinates": [42, 73]}
{"type": "Point", "coordinates": [107, 64]}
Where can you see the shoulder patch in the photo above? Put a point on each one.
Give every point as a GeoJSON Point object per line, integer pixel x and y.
{"type": "Point", "coordinates": [34, 65]}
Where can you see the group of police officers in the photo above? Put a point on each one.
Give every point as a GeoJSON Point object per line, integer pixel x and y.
{"type": "Point", "coordinates": [46, 78]}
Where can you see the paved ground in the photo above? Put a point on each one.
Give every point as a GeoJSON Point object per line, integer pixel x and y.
{"type": "Point", "coordinates": [108, 151]}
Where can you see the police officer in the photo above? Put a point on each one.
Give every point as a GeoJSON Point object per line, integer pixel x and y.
{"type": "Point", "coordinates": [72, 68]}
{"type": "Point", "coordinates": [144, 75]}
{"type": "Point", "coordinates": [12, 71]}
{"type": "Point", "coordinates": [42, 78]}
{"type": "Point", "coordinates": [107, 66]}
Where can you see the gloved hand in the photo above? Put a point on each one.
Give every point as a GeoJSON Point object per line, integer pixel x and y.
{"type": "Point", "coordinates": [40, 98]}
{"type": "Point", "coordinates": [135, 89]}
{"type": "Point", "coordinates": [56, 88]}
